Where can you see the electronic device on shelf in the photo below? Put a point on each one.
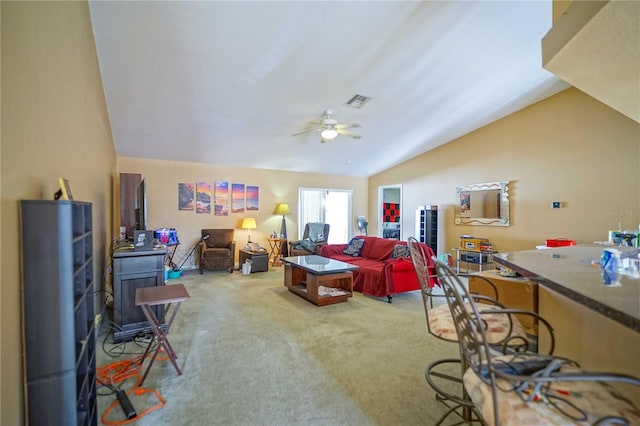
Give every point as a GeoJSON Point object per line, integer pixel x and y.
{"type": "Point", "coordinates": [142, 240]}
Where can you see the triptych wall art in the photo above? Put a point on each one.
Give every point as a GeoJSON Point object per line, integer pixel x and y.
{"type": "Point", "coordinates": [199, 196]}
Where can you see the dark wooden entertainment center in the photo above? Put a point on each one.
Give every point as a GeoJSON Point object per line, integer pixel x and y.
{"type": "Point", "coordinates": [133, 270]}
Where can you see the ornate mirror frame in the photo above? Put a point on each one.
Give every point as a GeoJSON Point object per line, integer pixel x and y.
{"type": "Point", "coordinates": [482, 204]}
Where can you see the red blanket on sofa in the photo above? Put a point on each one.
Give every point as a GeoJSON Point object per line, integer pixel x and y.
{"type": "Point", "coordinates": [380, 274]}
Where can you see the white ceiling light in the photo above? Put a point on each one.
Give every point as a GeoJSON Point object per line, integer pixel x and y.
{"type": "Point", "coordinates": [329, 128]}
{"type": "Point", "coordinates": [329, 133]}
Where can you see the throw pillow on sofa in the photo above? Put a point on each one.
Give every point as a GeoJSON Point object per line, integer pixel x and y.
{"type": "Point", "coordinates": [354, 247]}
{"type": "Point", "coordinates": [400, 250]}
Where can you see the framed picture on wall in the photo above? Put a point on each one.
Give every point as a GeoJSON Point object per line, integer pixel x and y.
{"type": "Point", "coordinates": [252, 197]}
{"type": "Point", "coordinates": [185, 196]}
{"type": "Point", "coordinates": [203, 197]}
{"type": "Point", "coordinates": [221, 198]}
{"type": "Point", "coordinates": [237, 198]}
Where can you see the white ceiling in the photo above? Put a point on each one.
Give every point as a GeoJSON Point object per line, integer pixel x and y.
{"type": "Point", "coordinates": [229, 82]}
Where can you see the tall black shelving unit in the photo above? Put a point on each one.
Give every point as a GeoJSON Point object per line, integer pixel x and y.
{"type": "Point", "coordinates": [427, 226]}
{"type": "Point", "coordinates": [58, 313]}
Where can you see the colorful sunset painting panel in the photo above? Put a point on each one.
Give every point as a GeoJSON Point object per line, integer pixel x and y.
{"type": "Point", "coordinates": [185, 196]}
{"type": "Point", "coordinates": [237, 197]}
{"type": "Point", "coordinates": [221, 198]}
{"type": "Point", "coordinates": [203, 197]}
{"type": "Point", "coordinates": [252, 197]}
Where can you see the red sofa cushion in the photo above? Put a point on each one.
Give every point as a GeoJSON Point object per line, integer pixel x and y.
{"type": "Point", "coordinates": [378, 248]}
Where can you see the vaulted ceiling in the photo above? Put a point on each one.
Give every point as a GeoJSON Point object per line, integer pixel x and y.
{"type": "Point", "coordinates": [229, 82]}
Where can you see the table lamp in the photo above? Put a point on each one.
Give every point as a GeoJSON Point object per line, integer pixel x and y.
{"type": "Point", "coordinates": [249, 223]}
{"type": "Point", "coordinates": [283, 209]}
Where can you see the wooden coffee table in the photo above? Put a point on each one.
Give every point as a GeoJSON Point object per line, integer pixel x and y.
{"type": "Point", "coordinates": [320, 280]}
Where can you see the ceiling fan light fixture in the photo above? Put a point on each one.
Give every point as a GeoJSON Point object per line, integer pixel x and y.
{"type": "Point", "coordinates": [329, 133]}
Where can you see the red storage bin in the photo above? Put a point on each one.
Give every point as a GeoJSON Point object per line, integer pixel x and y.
{"type": "Point", "coordinates": [560, 242]}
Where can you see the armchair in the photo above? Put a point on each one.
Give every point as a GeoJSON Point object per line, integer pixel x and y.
{"type": "Point", "coordinates": [314, 237]}
{"type": "Point", "coordinates": [217, 250]}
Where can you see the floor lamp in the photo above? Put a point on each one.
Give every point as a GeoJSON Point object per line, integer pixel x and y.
{"type": "Point", "coordinates": [283, 209]}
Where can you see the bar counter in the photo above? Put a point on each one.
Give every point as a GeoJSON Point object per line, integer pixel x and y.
{"type": "Point", "coordinates": [596, 325]}
{"type": "Point", "coordinates": [570, 272]}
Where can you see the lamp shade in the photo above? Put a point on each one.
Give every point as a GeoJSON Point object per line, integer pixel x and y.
{"type": "Point", "coordinates": [283, 209]}
{"type": "Point", "coordinates": [248, 223]}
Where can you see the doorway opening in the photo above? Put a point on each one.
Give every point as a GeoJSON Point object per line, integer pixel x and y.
{"type": "Point", "coordinates": [390, 212]}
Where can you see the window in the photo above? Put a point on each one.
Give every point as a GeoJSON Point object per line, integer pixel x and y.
{"type": "Point", "coordinates": [332, 206]}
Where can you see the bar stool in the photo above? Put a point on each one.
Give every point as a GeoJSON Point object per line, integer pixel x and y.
{"type": "Point", "coordinates": [168, 295]}
{"type": "Point", "coordinates": [528, 388]}
{"type": "Point", "coordinates": [506, 335]}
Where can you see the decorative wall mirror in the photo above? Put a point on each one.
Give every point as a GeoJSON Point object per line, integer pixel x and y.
{"type": "Point", "coordinates": [482, 204]}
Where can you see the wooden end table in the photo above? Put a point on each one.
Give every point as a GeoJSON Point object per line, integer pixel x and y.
{"type": "Point", "coordinates": [275, 250]}
{"type": "Point", "coordinates": [259, 260]}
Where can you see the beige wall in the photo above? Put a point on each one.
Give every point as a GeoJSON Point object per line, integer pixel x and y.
{"type": "Point", "coordinates": [569, 148]}
{"type": "Point", "coordinates": [54, 123]}
{"type": "Point", "coordinates": [162, 178]}
{"type": "Point", "coordinates": [559, 7]}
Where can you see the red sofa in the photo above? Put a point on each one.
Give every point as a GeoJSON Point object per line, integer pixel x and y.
{"type": "Point", "coordinates": [379, 274]}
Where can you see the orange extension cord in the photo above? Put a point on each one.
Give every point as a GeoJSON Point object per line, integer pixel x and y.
{"type": "Point", "coordinates": [120, 371]}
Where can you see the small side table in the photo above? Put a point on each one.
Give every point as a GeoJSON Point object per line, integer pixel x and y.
{"type": "Point", "coordinates": [146, 298]}
{"type": "Point", "coordinates": [275, 250]}
{"type": "Point", "coordinates": [259, 260]}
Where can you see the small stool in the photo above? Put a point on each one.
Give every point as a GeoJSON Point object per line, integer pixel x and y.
{"type": "Point", "coordinates": [146, 297]}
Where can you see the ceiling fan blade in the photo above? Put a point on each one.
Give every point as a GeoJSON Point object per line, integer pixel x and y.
{"type": "Point", "coordinates": [347, 125]}
{"type": "Point", "coordinates": [348, 133]}
{"type": "Point", "coordinates": [308, 131]}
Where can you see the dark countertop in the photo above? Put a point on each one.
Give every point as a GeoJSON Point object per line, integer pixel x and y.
{"type": "Point", "coordinates": [570, 271]}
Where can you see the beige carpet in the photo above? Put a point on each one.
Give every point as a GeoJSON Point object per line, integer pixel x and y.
{"type": "Point", "coordinates": [253, 353]}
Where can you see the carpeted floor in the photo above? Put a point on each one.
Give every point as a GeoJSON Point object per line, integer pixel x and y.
{"type": "Point", "coordinates": [253, 353]}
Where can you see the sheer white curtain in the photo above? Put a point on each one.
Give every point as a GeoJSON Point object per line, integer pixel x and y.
{"type": "Point", "coordinates": [311, 207]}
{"type": "Point", "coordinates": [332, 206]}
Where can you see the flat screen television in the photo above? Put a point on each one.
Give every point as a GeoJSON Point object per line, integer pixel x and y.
{"type": "Point", "coordinates": [141, 206]}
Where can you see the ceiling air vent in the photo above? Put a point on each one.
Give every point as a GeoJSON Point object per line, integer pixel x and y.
{"type": "Point", "coordinates": [358, 101]}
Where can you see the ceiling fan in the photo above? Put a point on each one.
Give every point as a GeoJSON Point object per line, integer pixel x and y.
{"type": "Point", "coordinates": [329, 128]}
